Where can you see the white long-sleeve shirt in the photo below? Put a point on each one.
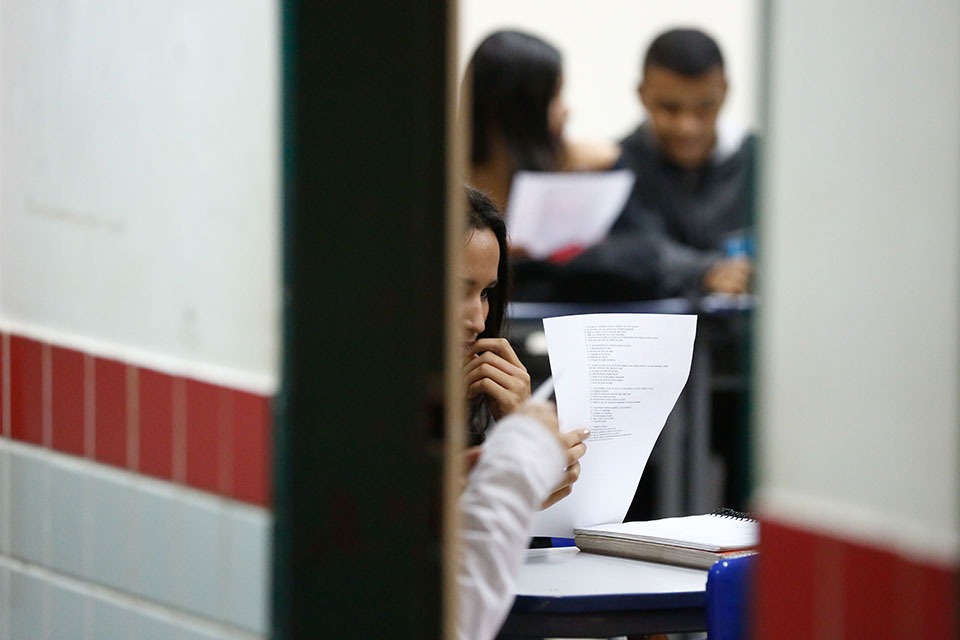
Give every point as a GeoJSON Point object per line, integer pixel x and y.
{"type": "Point", "coordinates": [521, 463]}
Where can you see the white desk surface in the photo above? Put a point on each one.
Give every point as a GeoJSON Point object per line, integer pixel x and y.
{"type": "Point", "coordinates": [564, 579]}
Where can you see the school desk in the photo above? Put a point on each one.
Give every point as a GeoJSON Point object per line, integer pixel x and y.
{"type": "Point", "coordinates": [563, 592]}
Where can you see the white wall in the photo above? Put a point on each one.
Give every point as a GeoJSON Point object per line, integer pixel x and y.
{"type": "Point", "coordinates": [860, 236]}
{"type": "Point", "coordinates": [139, 205]}
{"type": "Point", "coordinates": [603, 41]}
{"type": "Point", "coordinates": [139, 219]}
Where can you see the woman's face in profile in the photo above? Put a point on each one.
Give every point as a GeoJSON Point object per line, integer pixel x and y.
{"type": "Point", "coordinates": [481, 257]}
{"type": "Point", "coordinates": [557, 112]}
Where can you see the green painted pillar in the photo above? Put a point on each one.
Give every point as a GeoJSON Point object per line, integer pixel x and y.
{"type": "Point", "coordinates": [357, 464]}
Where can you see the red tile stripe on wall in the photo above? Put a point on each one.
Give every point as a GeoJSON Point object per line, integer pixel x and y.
{"type": "Point", "coordinates": [814, 586]}
{"type": "Point", "coordinates": [154, 399]}
{"type": "Point", "coordinates": [206, 436]}
{"type": "Point", "coordinates": [4, 385]}
{"type": "Point", "coordinates": [110, 412]}
{"type": "Point", "coordinates": [26, 390]}
{"type": "Point", "coordinates": [66, 400]}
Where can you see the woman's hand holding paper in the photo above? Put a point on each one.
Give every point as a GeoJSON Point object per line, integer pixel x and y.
{"type": "Point", "coordinates": [575, 446]}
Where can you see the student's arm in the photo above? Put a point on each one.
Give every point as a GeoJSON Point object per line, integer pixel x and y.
{"type": "Point", "coordinates": [588, 155]}
{"type": "Point", "coordinates": [522, 460]}
{"type": "Point", "coordinates": [688, 270]}
{"type": "Point", "coordinates": [680, 269]}
{"type": "Point", "coordinates": [625, 265]}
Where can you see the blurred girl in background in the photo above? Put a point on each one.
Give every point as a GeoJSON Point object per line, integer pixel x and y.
{"type": "Point", "coordinates": [515, 85]}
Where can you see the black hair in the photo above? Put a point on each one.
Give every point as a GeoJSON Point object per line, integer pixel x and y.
{"type": "Point", "coordinates": [483, 214]}
{"type": "Point", "coordinates": [687, 52]}
{"type": "Point", "coordinates": [514, 77]}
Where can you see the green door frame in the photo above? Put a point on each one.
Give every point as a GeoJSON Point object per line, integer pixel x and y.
{"type": "Point", "coordinates": [357, 546]}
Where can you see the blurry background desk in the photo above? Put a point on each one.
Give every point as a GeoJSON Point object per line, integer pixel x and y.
{"type": "Point", "coordinates": [687, 475]}
{"type": "Point", "coordinates": [563, 592]}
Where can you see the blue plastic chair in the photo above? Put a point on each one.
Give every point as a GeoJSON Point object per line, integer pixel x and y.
{"type": "Point", "coordinates": [562, 542]}
{"type": "Point", "coordinates": [728, 598]}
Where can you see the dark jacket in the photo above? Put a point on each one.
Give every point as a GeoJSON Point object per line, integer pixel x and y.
{"type": "Point", "coordinates": [624, 266]}
{"type": "Point", "coordinates": [695, 210]}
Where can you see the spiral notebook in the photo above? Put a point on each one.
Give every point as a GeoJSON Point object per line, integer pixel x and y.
{"type": "Point", "coordinates": [693, 541]}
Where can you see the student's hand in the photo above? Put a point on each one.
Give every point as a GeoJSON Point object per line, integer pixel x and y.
{"type": "Point", "coordinates": [493, 369]}
{"type": "Point", "coordinates": [730, 275]}
{"type": "Point", "coordinates": [573, 442]}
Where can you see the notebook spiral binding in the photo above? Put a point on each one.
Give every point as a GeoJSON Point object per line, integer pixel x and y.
{"type": "Point", "coordinates": [726, 512]}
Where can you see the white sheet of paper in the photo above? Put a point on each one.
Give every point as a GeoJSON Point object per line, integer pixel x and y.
{"type": "Point", "coordinates": [551, 211]}
{"type": "Point", "coordinates": [618, 374]}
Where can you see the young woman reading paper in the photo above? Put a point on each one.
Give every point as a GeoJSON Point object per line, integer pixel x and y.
{"type": "Point", "coordinates": [524, 463]}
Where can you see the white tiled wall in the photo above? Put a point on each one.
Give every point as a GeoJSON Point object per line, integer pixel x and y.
{"type": "Point", "coordinates": [29, 506]}
{"type": "Point", "coordinates": [144, 134]}
{"type": "Point", "coordinates": [93, 552]}
{"type": "Point", "coordinates": [28, 606]}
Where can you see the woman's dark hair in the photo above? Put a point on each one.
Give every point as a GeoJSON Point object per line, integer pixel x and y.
{"type": "Point", "coordinates": [514, 77]}
{"type": "Point", "coordinates": [687, 52]}
{"type": "Point", "coordinates": [483, 214]}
